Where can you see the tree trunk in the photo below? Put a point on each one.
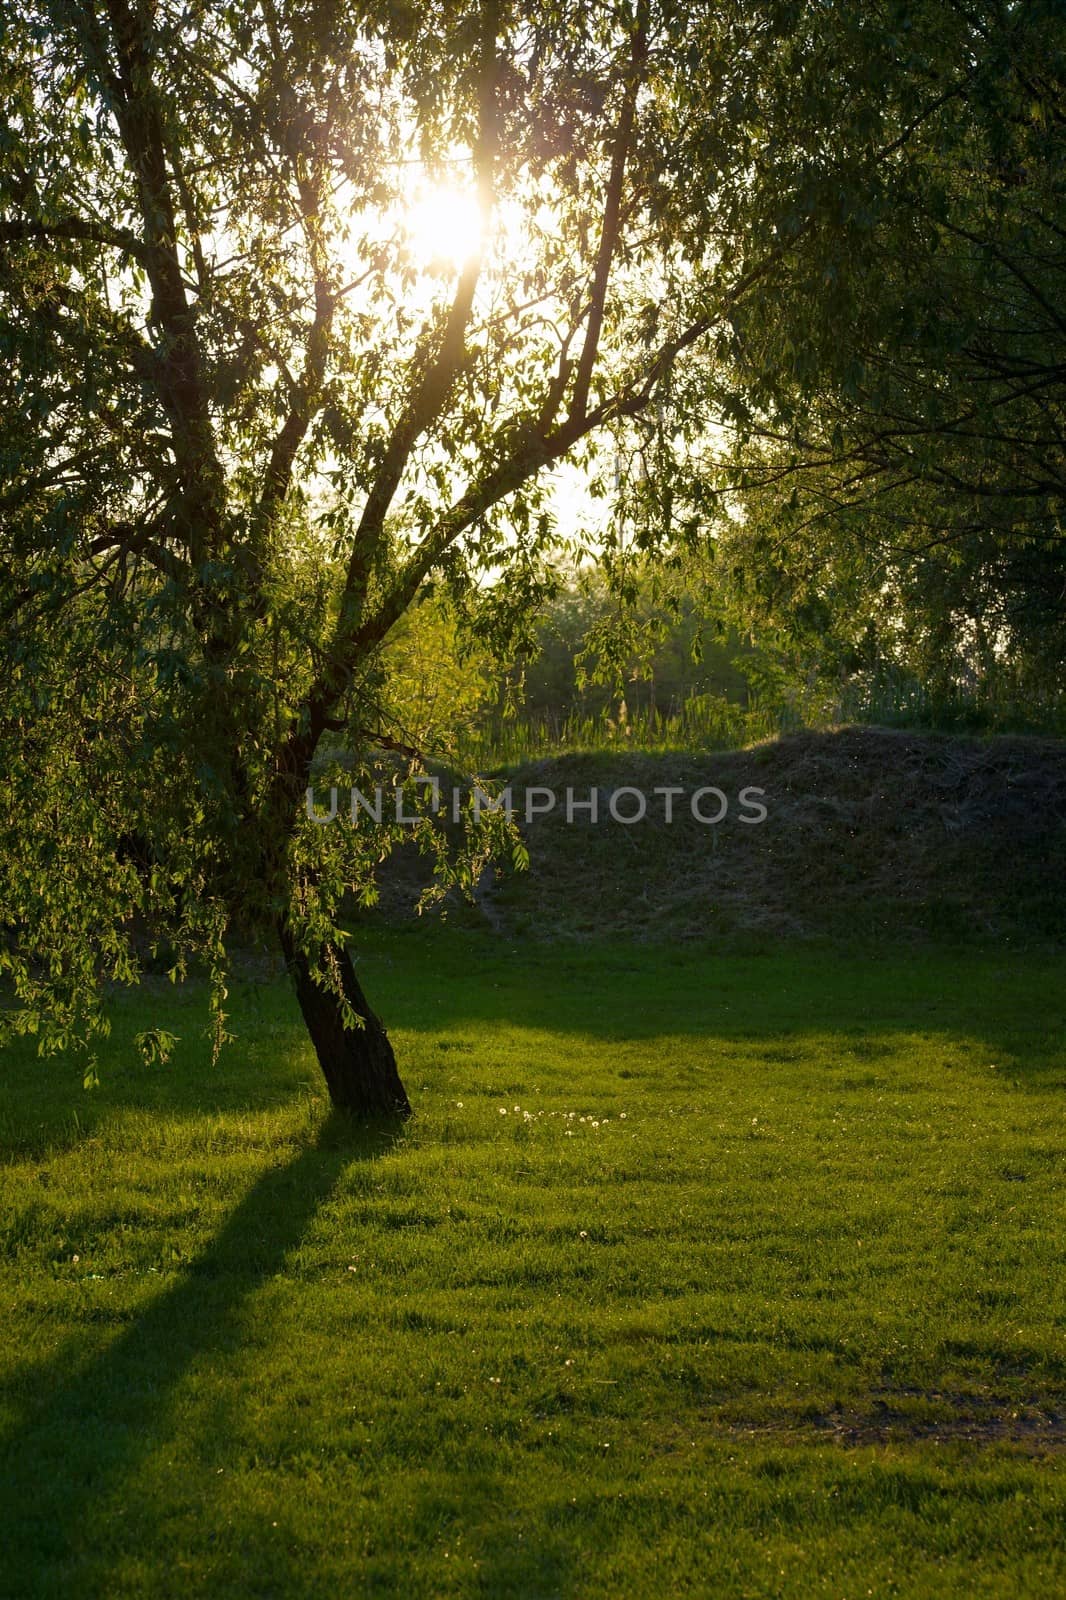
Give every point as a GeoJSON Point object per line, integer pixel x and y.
{"type": "Point", "coordinates": [357, 1063]}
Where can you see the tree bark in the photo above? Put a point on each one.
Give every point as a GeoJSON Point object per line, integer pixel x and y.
{"type": "Point", "coordinates": [357, 1063]}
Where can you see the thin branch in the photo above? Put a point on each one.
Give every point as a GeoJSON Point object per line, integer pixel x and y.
{"type": "Point", "coordinates": [612, 212]}
{"type": "Point", "coordinates": [17, 229]}
{"type": "Point", "coordinates": [130, 540]}
{"type": "Point", "coordinates": [431, 391]}
{"type": "Point", "coordinates": [1013, 268]}
{"type": "Point", "coordinates": [307, 390]}
{"type": "Point", "coordinates": [180, 374]}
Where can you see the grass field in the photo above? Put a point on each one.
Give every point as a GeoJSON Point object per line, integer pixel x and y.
{"type": "Point", "coordinates": [696, 1274]}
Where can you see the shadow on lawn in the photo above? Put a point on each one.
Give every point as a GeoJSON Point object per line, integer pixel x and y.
{"type": "Point", "coordinates": [440, 992]}
{"type": "Point", "coordinates": [79, 1431]}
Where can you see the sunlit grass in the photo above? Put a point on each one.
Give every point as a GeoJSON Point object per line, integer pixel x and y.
{"type": "Point", "coordinates": [694, 1274]}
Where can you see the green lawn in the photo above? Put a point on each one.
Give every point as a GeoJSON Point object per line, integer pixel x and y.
{"type": "Point", "coordinates": [696, 1274]}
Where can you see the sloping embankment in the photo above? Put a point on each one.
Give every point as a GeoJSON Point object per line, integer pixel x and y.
{"type": "Point", "coordinates": [868, 832]}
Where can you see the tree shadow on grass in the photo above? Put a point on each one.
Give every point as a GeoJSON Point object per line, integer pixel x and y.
{"type": "Point", "coordinates": [78, 1431]}
{"type": "Point", "coordinates": [45, 1109]}
{"type": "Point", "coordinates": [432, 988]}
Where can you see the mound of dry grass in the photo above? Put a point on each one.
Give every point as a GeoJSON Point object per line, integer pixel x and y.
{"type": "Point", "coordinates": [869, 832]}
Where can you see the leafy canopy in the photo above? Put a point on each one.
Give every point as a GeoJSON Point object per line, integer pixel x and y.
{"type": "Point", "coordinates": [245, 421]}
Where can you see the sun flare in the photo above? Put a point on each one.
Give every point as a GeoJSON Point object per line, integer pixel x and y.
{"type": "Point", "coordinates": [443, 226]}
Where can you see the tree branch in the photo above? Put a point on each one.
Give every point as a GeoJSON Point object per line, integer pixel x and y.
{"type": "Point", "coordinates": [432, 389]}
{"type": "Point", "coordinates": [20, 228]}
{"type": "Point", "coordinates": [611, 221]}
{"type": "Point", "coordinates": [307, 389]}
{"type": "Point", "coordinates": [130, 540]}
{"type": "Point", "coordinates": [180, 378]}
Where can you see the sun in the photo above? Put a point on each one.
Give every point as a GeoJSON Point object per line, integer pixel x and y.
{"type": "Point", "coordinates": [443, 227]}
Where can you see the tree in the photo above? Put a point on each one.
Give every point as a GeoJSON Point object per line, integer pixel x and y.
{"type": "Point", "coordinates": [903, 481]}
{"type": "Point", "coordinates": [245, 423]}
